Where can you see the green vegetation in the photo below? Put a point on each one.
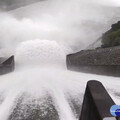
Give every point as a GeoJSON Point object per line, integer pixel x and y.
{"type": "Point", "coordinates": [112, 37]}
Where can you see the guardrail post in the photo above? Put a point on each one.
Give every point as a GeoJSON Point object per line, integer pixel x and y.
{"type": "Point", "coordinates": [97, 103]}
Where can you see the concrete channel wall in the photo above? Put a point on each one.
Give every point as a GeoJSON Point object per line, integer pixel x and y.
{"type": "Point", "coordinates": [7, 66]}
{"type": "Point", "coordinates": [97, 103]}
{"type": "Point", "coordinates": [104, 61]}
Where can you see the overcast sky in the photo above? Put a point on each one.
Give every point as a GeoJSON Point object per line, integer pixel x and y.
{"type": "Point", "coordinates": [11, 4]}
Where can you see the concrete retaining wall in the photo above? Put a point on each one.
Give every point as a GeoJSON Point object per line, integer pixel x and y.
{"type": "Point", "coordinates": [7, 66]}
{"type": "Point", "coordinates": [99, 61]}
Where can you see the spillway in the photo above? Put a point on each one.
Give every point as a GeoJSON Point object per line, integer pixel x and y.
{"type": "Point", "coordinates": [40, 36]}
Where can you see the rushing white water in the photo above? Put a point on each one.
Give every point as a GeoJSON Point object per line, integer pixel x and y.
{"type": "Point", "coordinates": [40, 36]}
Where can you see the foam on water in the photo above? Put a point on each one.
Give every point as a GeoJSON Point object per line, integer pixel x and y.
{"type": "Point", "coordinates": [61, 85]}
{"type": "Point", "coordinates": [41, 52]}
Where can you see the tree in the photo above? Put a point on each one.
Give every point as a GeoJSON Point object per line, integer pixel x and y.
{"type": "Point", "coordinates": [112, 37]}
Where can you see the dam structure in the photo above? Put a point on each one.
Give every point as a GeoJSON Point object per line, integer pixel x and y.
{"type": "Point", "coordinates": [39, 77]}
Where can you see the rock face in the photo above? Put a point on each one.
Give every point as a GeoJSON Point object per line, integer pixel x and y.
{"type": "Point", "coordinates": [100, 61]}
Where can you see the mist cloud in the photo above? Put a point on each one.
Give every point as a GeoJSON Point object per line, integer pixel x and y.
{"type": "Point", "coordinates": [74, 23]}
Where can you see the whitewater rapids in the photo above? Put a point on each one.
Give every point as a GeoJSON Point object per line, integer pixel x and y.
{"type": "Point", "coordinates": [35, 82]}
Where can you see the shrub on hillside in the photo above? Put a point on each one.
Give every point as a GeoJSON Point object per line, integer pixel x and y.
{"type": "Point", "coordinates": [112, 37]}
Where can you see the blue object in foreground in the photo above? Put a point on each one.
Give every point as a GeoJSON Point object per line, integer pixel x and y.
{"type": "Point", "coordinates": [115, 110]}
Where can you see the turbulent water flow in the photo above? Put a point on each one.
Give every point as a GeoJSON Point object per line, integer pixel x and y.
{"type": "Point", "coordinates": [40, 36]}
